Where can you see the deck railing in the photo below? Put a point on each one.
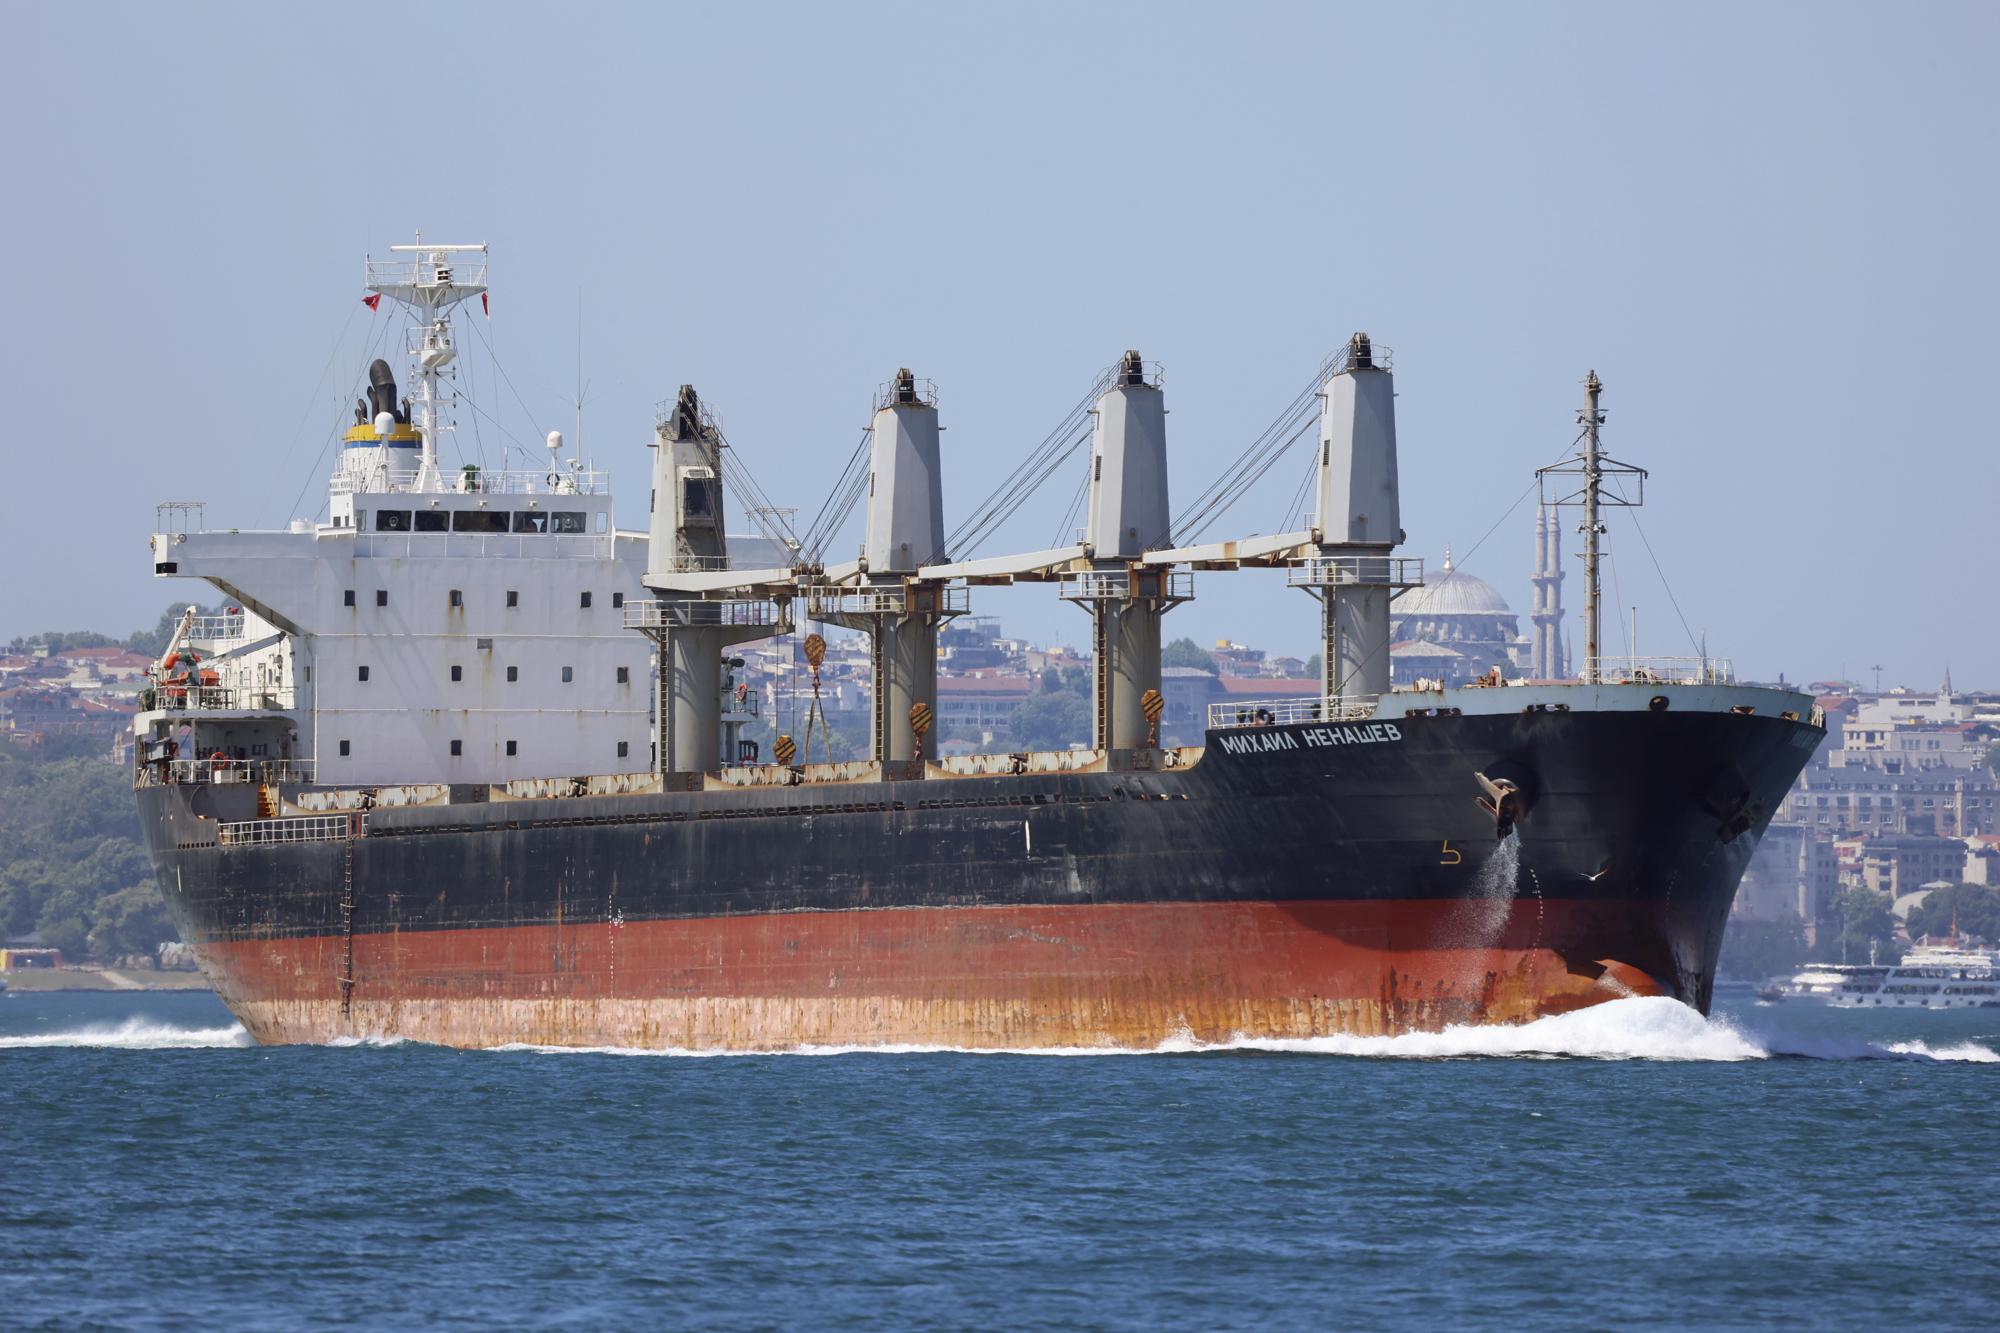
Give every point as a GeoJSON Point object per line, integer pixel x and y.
{"type": "Point", "coordinates": [1281, 712]}
{"type": "Point", "coordinates": [304, 828]}
{"type": "Point", "coordinates": [1664, 671]}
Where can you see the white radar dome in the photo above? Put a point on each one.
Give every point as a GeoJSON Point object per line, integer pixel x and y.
{"type": "Point", "coordinates": [385, 424]}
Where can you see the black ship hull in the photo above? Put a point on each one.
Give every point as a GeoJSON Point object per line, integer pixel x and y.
{"type": "Point", "coordinates": [1295, 881]}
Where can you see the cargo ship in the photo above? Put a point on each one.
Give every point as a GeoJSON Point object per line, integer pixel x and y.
{"type": "Point", "coordinates": [464, 762]}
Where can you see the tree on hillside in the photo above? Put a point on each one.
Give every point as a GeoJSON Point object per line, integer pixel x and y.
{"type": "Point", "coordinates": [1853, 921]}
{"type": "Point", "coordinates": [1975, 908]}
{"type": "Point", "coordinates": [1051, 720]}
{"type": "Point", "coordinates": [71, 862]}
{"type": "Point", "coordinates": [1315, 666]}
{"type": "Point", "coordinates": [1188, 653]}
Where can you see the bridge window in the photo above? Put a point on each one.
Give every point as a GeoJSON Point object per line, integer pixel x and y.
{"type": "Point", "coordinates": [392, 520]}
{"type": "Point", "coordinates": [432, 520]}
{"type": "Point", "coordinates": [531, 520]}
{"type": "Point", "coordinates": [478, 520]}
{"type": "Point", "coordinates": [566, 520]}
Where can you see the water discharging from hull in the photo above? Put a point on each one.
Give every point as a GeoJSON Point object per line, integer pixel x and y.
{"type": "Point", "coordinates": [1477, 920]}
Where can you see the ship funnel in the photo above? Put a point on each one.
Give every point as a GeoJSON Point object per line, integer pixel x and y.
{"type": "Point", "coordinates": [906, 493]}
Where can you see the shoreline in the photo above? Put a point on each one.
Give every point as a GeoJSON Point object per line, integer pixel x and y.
{"type": "Point", "coordinates": [46, 980]}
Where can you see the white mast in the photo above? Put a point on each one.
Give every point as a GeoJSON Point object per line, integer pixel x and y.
{"type": "Point", "coordinates": [430, 284]}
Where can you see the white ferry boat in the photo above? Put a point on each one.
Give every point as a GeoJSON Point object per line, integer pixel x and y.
{"type": "Point", "coordinates": [1931, 976]}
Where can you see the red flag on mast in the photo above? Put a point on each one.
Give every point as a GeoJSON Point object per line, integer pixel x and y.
{"type": "Point", "coordinates": [485, 307]}
{"type": "Point", "coordinates": [372, 301]}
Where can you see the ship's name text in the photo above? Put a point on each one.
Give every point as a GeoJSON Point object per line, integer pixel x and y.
{"type": "Point", "coordinates": [1308, 738]}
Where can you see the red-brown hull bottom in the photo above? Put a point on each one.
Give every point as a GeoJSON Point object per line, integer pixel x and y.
{"type": "Point", "coordinates": [1122, 976]}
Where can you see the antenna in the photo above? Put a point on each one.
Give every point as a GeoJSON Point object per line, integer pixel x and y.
{"type": "Point", "coordinates": [1593, 466]}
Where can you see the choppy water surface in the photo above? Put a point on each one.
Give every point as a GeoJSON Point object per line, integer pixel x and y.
{"type": "Point", "coordinates": [1632, 1165]}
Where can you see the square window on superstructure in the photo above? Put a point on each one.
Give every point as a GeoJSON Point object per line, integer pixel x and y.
{"type": "Point", "coordinates": [478, 520]}
{"type": "Point", "coordinates": [624, 749]}
{"type": "Point", "coordinates": [483, 645]}
{"type": "Point", "coordinates": [569, 675]}
{"type": "Point", "coordinates": [381, 597]}
{"type": "Point", "coordinates": [457, 749]}
{"type": "Point", "coordinates": [513, 674]}
{"type": "Point", "coordinates": [624, 675]}
{"type": "Point", "coordinates": [347, 598]}
{"type": "Point", "coordinates": [364, 674]}
{"type": "Point", "coordinates": [617, 600]}
{"type": "Point", "coordinates": [513, 597]}
{"type": "Point", "coordinates": [510, 749]}
{"type": "Point", "coordinates": [457, 673]}
{"type": "Point", "coordinates": [457, 598]}
{"type": "Point", "coordinates": [585, 603]}
{"type": "Point", "coordinates": [343, 749]}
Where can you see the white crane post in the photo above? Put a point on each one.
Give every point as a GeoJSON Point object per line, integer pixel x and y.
{"type": "Point", "coordinates": [687, 534]}
{"type": "Point", "coordinates": [1129, 514]}
{"type": "Point", "coordinates": [1359, 521]}
{"type": "Point", "coordinates": [905, 532]}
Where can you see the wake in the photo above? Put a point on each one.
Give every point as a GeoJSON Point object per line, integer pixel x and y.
{"type": "Point", "coordinates": [134, 1034]}
{"type": "Point", "coordinates": [1651, 1028]}
{"type": "Point", "coordinates": [1642, 1028]}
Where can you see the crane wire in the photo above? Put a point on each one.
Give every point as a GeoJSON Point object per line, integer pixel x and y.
{"type": "Point", "coordinates": [834, 509]}
{"type": "Point", "coordinates": [1067, 525]}
{"type": "Point", "coordinates": [1028, 476]}
{"type": "Point", "coordinates": [1257, 457]}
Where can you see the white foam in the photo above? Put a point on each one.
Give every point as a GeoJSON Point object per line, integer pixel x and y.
{"type": "Point", "coordinates": [135, 1034]}
{"type": "Point", "coordinates": [1637, 1028]}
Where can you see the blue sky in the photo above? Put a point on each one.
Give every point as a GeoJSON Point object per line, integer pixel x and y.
{"type": "Point", "coordinates": [1769, 227]}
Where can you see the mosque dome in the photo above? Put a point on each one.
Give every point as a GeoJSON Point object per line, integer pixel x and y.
{"type": "Point", "coordinates": [1451, 592]}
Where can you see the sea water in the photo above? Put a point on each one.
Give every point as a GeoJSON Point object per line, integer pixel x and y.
{"type": "Point", "coordinates": [1633, 1165]}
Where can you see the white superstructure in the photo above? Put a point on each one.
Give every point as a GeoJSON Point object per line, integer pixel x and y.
{"type": "Point", "coordinates": [433, 628]}
{"type": "Point", "coordinates": [1929, 977]}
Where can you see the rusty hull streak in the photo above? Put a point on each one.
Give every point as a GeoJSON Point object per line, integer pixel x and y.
{"type": "Point", "coordinates": [1015, 978]}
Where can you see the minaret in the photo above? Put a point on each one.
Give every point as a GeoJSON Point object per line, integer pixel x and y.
{"type": "Point", "coordinates": [1548, 656]}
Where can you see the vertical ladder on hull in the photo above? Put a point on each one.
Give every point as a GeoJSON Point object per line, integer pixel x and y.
{"type": "Point", "coordinates": [347, 928]}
